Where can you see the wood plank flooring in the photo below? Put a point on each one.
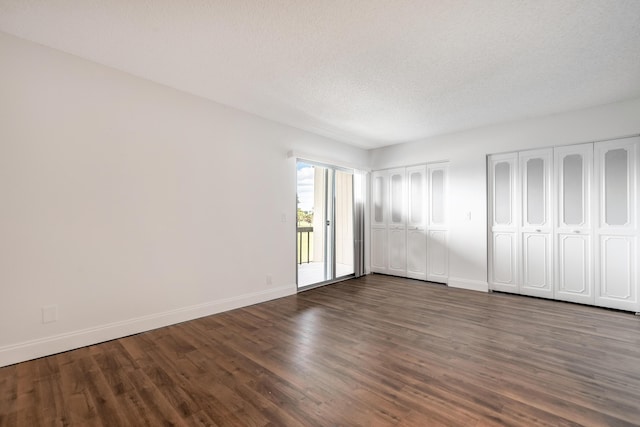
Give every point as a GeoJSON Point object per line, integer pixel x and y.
{"type": "Point", "coordinates": [373, 351]}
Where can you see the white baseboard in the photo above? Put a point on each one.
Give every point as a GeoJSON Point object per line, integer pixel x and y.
{"type": "Point", "coordinates": [46, 346]}
{"type": "Point", "coordinates": [472, 285]}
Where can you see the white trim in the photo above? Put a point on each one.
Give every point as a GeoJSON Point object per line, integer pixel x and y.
{"type": "Point", "coordinates": [327, 161]}
{"type": "Point", "coordinates": [46, 346]}
{"type": "Point", "coordinates": [472, 285]}
{"type": "Point", "coordinates": [441, 163]}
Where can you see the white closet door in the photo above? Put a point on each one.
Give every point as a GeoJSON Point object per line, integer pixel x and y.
{"type": "Point", "coordinates": [503, 275]}
{"type": "Point", "coordinates": [573, 246]}
{"type": "Point", "coordinates": [438, 232]}
{"type": "Point", "coordinates": [417, 222]}
{"type": "Point", "coordinates": [616, 224]}
{"type": "Point", "coordinates": [397, 223]}
{"type": "Point", "coordinates": [536, 230]}
{"type": "Point", "coordinates": [379, 213]}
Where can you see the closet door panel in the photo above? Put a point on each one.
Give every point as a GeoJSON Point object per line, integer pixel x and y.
{"type": "Point", "coordinates": [536, 223]}
{"type": "Point", "coordinates": [616, 224]}
{"type": "Point", "coordinates": [438, 226]}
{"type": "Point", "coordinates": [503, 197]}
{"type": "Point", "coordinates": [570, 230]}
{"type": "Point", "coordinates": [379, 213]}
{"type": "Point", "coordinates": [409, 229]}
{"type": "Point", "coordinates": [397, 225]}
{"type": "Point", "coordinates": [416, 222]}
{"type": "Point", "coordinates": [574, 277]}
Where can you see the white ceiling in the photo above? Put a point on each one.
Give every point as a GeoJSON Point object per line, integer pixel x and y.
{"type": "Point", "coordinates": [366, 72]}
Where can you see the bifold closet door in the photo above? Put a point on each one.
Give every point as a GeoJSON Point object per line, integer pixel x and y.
{"type": "Point", "coordinates": [417, 222]}
{"type": "Point", "coordinates": [379, 212]}
{"type": "Point", "coordinates": [397, 223]}
{"type": "Point", "coordinates": [573, 243]}
{"type": "Point", "coordinates": [536, 231]}
{"type": "Point", "coordinates": [616, 233]}
{"type": "Point", "coordinates": [503, 274]}
{"type": "Point", "coordinates": [438, 232]}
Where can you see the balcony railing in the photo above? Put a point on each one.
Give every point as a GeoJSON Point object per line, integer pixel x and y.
{"type": "Point", "coordinates": [305, 235]}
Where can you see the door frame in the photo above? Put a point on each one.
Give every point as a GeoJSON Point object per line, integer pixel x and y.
{"type": "Point", "coordinates": [329, 237]}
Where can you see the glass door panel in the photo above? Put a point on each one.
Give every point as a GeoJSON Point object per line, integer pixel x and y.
{"type": "Point", "coordinates": [343, 223]}
{"type": "Point", "coordinates": [324, 223]}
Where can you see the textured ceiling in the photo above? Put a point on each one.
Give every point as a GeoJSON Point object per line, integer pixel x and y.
{"type": "Point", "coordinates": [367, 72]}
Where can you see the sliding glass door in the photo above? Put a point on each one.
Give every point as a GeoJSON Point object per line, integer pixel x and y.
{"type": "Point", "coordinates": [324, 223]}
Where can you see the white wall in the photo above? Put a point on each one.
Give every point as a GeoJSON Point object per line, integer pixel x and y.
{"type": "Point", "coordinates": [130, 205]}
{"type": "Point", "coordinates": [467, 153]}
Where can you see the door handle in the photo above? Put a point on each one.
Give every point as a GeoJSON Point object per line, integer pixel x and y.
{"type": "Point", "coordinates": [576, 231]}
{"type": "Point", "coordinates": [538, 230]}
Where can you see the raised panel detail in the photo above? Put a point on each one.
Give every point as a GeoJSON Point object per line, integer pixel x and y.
{"type": "Point", "coordinates": [379, 250]}
{"type": "Point", "coordinates": [616, 272]}
{"type": "Point", "coordinates": [502, 193]}
{"type": "Point", "coordinates": [616, 184]}
{"type": "Point", "coordinates": [416, 197]}
{"type": "Point", "coordinates": [574, 263]}
{"type": "Point", "coordinates": [503, 260]}
{"type": "Point", "coordinates": [437, 252]}
{"type": "Point", "coordinates": [437, 196]}
{"type": "Point", "coordinates": [417, 254]}
{"type": "Point", "coordinates": [397, 250]}
{"type": "Point", "coordinates": [536, 260]}
{"type": "Point", "coordinates": [573, 189]}
{"type": "Point", "coordinates": [379, 199]}
{"type": "Point", "coordinates": [397, 199]}
{"type": "Point", "coordinates": [535, 191]}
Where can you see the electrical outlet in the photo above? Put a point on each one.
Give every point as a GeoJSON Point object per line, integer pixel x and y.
{"type": "Point", "coordinates": [269, 279]}
{"type": "Point", "coordinates": [50, 314]}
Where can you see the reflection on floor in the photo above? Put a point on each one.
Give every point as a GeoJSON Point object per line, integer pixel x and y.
{"type": "Point", "coordinates": [313, 272]}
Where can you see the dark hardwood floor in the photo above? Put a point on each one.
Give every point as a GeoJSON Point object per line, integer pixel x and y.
{"type": "Point", "coordinates": [372, 351]}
